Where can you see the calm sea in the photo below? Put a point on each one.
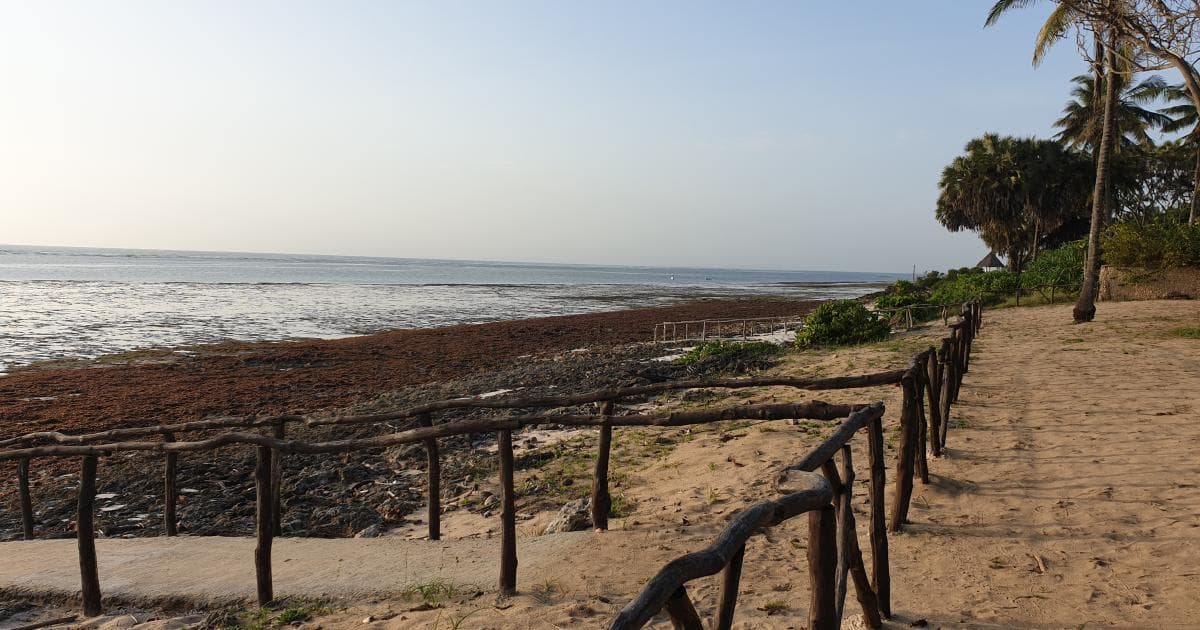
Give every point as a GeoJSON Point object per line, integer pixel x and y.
{"type": "Point", "coordinates": [58, 302]}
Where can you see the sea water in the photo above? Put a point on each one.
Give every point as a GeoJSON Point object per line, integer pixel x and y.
{"type": "Point", "coordinates": [59, 302]}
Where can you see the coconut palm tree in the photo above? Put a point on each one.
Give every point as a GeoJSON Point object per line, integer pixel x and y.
{"type": "Point", "coordinates": [1184, 119]}
{"type": "Point", "coordinates": [1080, 123]}
{"type": "Point", "coordinates": [1106, 41]}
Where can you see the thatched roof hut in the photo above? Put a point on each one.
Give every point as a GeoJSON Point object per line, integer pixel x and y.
{"type": "Point", "coordinates": [990, 263]}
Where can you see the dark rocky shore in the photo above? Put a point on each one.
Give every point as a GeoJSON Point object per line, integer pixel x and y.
{"type": "Point", "coordinates": [325, 496]}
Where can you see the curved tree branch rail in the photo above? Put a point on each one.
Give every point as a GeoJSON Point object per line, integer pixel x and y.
{"type": "Point", "coordinates": [939, 374]}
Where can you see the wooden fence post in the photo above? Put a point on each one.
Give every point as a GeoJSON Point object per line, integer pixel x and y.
{"type": "Point", "coordinates": [508, 516]}
{"type": "Point", "coordinates": [906, 458]}
{"type": "Point", "coordinates": [85, 531]}
{"type": "Point", "coordinates": [850, 561]}
{"type": "Point", "coordinates": [822, 569]}
{"type": "Point", "coordinates": [601, 499]}
{"type": "Point", "coordinates": [947, 384]}
{"type": "Point", "coordinates": [26, 499]}
{"type": "Point", "coordinates": [881, 579]}
{"type": "Point", "coordinates": [729, 589]}
{"type": "Point", "coordinates": [265, 529]}
{"type": "Point", "coordinates": [170, 495]}
{"type": "Point", "coordinates": [933, 388]}
{"type": "Point", "coordinates": [277, 483]}
{"type": "Point", "coordinates": [434, 465]}
{"type": "Point", "coordinates": [922, 464]}
{"type": "Point", "coordinates": [683, 614]}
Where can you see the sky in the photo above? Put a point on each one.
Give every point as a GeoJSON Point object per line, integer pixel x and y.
{"type": "Point", "coordinates": [771, 135]}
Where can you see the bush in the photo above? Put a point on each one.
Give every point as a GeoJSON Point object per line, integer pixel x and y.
{"type": "Point", "coordinates": [730, 355]}
{"type": "Point", "coordinates": [841, 322]}
{"type": "Point", "coordinates": [988, 287]}
{"type": "Point", "coordinates": [1059, 266]}
{"type": "Point", "coordinates": [1151, 245]}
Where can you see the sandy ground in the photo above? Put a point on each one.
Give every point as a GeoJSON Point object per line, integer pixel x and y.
{"type": "Point", "coordinates": [1068, 499]}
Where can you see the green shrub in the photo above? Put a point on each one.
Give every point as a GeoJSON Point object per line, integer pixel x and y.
{"type": "Point", "coordinates": [1151, 245]}
{"type": "Point", "coordinates": [841, 322]}
{"type": "Point", "coordinates": [1060, 266]}
{"type": "Point", "coordinates": [731, 355]}
{"type": "Point", "coordinates": [965, 285]}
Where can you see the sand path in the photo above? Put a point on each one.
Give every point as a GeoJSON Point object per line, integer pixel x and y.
{"type": "Point", "coordinates": [1069, 494]}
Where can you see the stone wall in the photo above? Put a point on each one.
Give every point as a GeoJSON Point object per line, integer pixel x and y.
{"type": "Point", "coordinates": [1138, 283]}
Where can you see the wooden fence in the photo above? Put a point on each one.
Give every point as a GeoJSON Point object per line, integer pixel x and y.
{"type": "Point", "coordinates": [944, 367]}
{"type": "Point", "coordinates": [834, 552]}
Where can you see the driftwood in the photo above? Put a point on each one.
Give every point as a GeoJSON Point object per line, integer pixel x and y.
{"type": "Point", "coordinates": [434, 465]}
{"type": "Point", "coordinates": [729, 590]}
{"type": "Point", "coordinates": [508, 516]}
{"type": "Point", "coordinates": [717, 556]}
{"type": "Point", "coordinates": [881, 580]}
{"type": "Point", "coordinates": [683, 614]}
{"type": "Point", "coordinates": [26, 499]}
{"type": "Point", "coordinates": [822, 567]}
{"type": "Point", "coordinates": [837, 382]}
{"type": "Point", "coordinates": [601, 498]}
{"type": "Point", "coordinates": [850, 559]}
{"type": "Point", "coordinates": [825, 450]}
{"type": "Point", "coordinates": [170, 495]}
{"type": "Point", "coordinates": [85, 534]}
{"type": "Point", "coordinates": [265, 529]}
{"type": "Point", "coordinates": [933, 390]}
{"type": "Point", "coordinates": [906, 458]}
{"type": "Point", "coordinates": [277, 483]}
{"type": "Point", "coordinates": [815, 410]}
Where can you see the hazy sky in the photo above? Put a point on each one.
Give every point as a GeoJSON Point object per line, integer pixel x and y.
{"type": "Point", "coordinates": [786, 135]}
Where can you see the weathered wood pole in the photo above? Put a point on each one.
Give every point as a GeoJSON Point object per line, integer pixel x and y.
{"type": "Point", "coordinates": [26, 499]}
{"type": "Point", "coordinates": [683, 614]}
{"type": "Point", "coordinates": [729, 589]}
{"type": "Point", "coordinates": [85, 531]}
{"type": "Point", "coordinates": [822, 569]}
{"type": "Point", "coordinates": [906, 458]}
{"type": "Point", "coordinates": [881, 579]}
{"type": "Point", "coordinates": [922, 434]}
{"type": "Point", "coordinates": [933, 388]}
{"type": "Point", "coordinates": [170, 495]}
{"type": "Point", "coordinates": [265, 529]}
{"type": "Point", "coordinates": [601, 499]}
{"type": "Point", "coordinates": [280, 431]}
{"type": "Point", "coordinates": [843, 494]}
{"type": "Point", "coordinates": [508, 516]}
{"type": "Point", "coordinates": [945, 357]}
{"type": "Point", "coordinates": [434, 465]}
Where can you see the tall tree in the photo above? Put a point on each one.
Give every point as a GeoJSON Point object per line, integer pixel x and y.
{"type": "Point", "coordinates": [1167, 31]}
{"type": "Point", "coordinates": [1085, 306]}
{"type": "Point", "coordinates": [1013, 192]}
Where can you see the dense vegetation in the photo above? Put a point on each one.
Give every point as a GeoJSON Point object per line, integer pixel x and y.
{"type": "Point", "coordinates": [841, 322]}
{"type": "Point", "coordinates": [1002, 191]}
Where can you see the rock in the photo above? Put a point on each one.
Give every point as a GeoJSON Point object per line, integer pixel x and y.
{"type": "Point", "coordinates": [373, 531]}
{"type": "Point", "coordinates": [490, 501]}
{"type": "Point", "coordinates": [574, 516]}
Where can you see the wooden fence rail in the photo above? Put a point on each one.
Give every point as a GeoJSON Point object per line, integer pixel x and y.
{"type": "Point", "coordinates": [934, 376]}
{"type": "Point", "coordinates": [937, 374]}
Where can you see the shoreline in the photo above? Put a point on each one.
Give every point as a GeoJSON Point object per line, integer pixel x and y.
{"type": "Point", "coordinates": [174, 384]}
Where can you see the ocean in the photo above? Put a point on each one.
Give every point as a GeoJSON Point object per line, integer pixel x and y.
{"type": "Point", "coordinates": [66, 302]}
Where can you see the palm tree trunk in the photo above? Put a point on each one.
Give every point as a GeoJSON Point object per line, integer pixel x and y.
{"type": "Point", "coordinates": [1195, 189]}
{"type": "Point", "coordinates": [1085, 308]}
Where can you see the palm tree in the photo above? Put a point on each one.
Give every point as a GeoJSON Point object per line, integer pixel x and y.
{"type": "Point", "coordinates": [1056, 26]}
{"type": "Point", "coordinates": [1080, 124]}
{"type": "Point", "coordinates": [1012, 191]}
{"type": "Point", "coordinates": [1183, 117]}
